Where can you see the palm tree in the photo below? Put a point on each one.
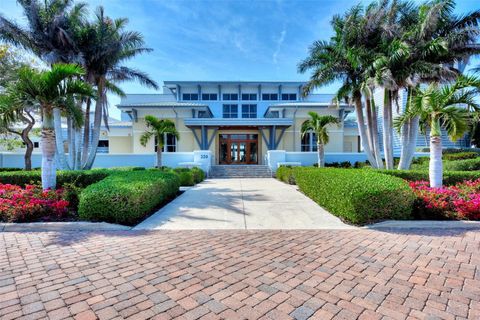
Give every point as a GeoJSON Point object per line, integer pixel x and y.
{"type": "Point", "coordinates": [449, 108]}
{"type": "Point", "coordinates": [318, 125]}
{"type": "Point", "coordinates": [105, 46]}
{"type": "Point", "coordinates": [158, 128]}
{"type": "Point", "coordinates": [344, 58]}
{"type": "Point", "coordinates": [48, 90]}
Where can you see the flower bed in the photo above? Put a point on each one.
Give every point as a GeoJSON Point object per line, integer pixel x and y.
{"type": "Point", "coordinates": [461, 201]}
{"type": "Point", "coordinates": [31, 203]}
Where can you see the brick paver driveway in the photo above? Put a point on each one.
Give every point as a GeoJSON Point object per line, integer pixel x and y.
{"type": "Point", "coordinates": [242, 274]}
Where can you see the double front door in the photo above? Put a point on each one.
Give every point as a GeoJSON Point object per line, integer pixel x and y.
{"type": "Point", "coordinates": [238, 149]}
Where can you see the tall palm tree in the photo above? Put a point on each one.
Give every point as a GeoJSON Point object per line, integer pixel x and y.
{"type": "Point", "coordinates": [344, 58]}
{"type": "Point", "coordinates": [319, 126]}
{"type": "Point", "coordinates": [447, 107]}
{"type": "Point", "coordinates": [158, 128]}
{"type": "Point", "coordinates": [48, 90]}
{"type": "Point", "coordinates": [105, 46]}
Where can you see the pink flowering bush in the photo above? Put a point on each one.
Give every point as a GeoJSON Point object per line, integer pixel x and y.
{"type": "Point", "coordinates": [461, 201]}
{"type": "Point", "coordinates": [31, 203]}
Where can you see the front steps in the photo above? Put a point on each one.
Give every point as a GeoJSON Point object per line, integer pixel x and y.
{"type": "Point", "coordinates": [240, 171]}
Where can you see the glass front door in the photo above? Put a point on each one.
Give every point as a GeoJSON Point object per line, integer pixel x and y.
{"type": "Point", "coordinates": [238, 149]}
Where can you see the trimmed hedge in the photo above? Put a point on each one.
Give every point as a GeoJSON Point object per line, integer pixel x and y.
{"type": "Point", "coordinates": [198, 174]}
{"type": "Point", "coordinates": [449, 177]}
{"type": "Point", "coordinates": [127, 197]}
{"type": "Point", "coordinates": [460, 156]}
{"type": "Point", "coordinates": [78, 178]}
{"type": "Point", "coordinates": [188, 177]}
{"type": "Point", "coordinates": [462, 165]}
{"type": "Point", "coordinates": [357, 196]}
{"type": "Point", "coordinates": [285, 174]}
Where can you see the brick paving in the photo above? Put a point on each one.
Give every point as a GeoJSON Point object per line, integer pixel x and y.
{"type": "Point", "coordinates": [340, 274]}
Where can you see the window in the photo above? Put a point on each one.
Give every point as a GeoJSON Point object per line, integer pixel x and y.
{"type": "Point", "coordinates": [249, 96]}
{"type": "Point", "coordinates": [209, 96]}
{"type": "Point", "coordinates": [249, 110]}
{"type": "Point", "coordinates": [309, 142]}
{"type": "Point", "coordinates": [202, 114]}
{"type": "Point", "coordinates": [36, 144]}
{"type": "Point", "coordinates": [170, 143]}
{"type": "Point", "coordinates": [269, 96]}
{"type": "Point", "coordinates": [289, 96]}
{"type": "Point", "coordinates": [103, 144]}
{"type": "Point", "coordinates": [190, 96]}
{"type": "Point", "coordinates": [230, 111]}
{"type": "Point", "coordinates": [230, 96]}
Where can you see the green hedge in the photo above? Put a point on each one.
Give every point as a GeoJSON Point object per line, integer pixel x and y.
{"type": "Point", "coordinates": [462, 165]}
{"type": "Point", "coordinates": [357, 196]}
{"type": "Point", "coordinates": [449, 177]}
{"type": "Point", "coordinates": [188, 177]}
{"type": "Point", "coordinates": [79, 178]}
{"type": "Point", "coordinates": [127, 197]}
{"type": "Point", "coordinates": [460, 156]}
{"type": "Point", "coordinates": [198, 174]}
{"type": "Point", "coordinates": [285, 174]}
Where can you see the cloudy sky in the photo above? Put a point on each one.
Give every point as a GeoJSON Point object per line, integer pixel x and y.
{"type": "Point", "coordinates": [223, 39]}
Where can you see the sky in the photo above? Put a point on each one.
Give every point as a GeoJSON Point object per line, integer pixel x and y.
{"type": "Point", "coordinates": [223, 39]}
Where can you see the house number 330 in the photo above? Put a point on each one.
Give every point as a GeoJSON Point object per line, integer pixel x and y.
{"type": "Point", "coordinates": [204, 156]}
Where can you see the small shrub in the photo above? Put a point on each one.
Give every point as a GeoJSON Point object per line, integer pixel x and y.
{"type": "Point", "coordinates": [344, 164]}
{"type": "Point", "coordinates": [449, 177]}
{"type": "Point", "coordinates": [463, 165]}
{"type": "Point", "coordinates": [357, 196]}
{"type": "Point", "coordinates": [285, 174]}
{"type": "Point", "coordinates": [461, 201]}
{"type": "Point", "coordinates": [198, 174]}
{"type": "Point", "coordinates": [31, 203]}
{"type": "Point", "coordinates": [185, 176]}
{"type": "Point", "coordinates": [460, 156]}
{"type": "Point", "coordinates": [127, 197]}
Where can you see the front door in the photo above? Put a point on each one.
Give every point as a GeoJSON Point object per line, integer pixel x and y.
{"type": "Point", "coordinates": [238, 149]}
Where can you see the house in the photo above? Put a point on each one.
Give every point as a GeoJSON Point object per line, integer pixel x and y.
{"type": "Point", "coordinates": [238, 122]}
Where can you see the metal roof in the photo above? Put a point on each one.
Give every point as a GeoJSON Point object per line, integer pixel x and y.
{"type": "Point", "coordinates": [161, 104]}
{"type": "Point", "coordinates": [288, 83]}
{"type": "Point", "coordinates": [253, 122]}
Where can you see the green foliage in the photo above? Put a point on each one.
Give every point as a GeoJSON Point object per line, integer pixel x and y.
{"type": "Point", "coordinates": [463, 165]}
{"type": "Point", "coordinates": [449, 177]}
{"type": "Point", "coordinates": [127, 197]}
{"type": "Point", "coordinates": [357, 196]}
{"type": "Point", "coordinates": [198, 174]}
{"type": "Point", "coordinates": [285, 174]}
{"type": "Point", "coordinates": [185, 176]}
{"type": "Point", "coordinates": [460, 155]}
{"type": "Point", "coordinates": [78, 178]}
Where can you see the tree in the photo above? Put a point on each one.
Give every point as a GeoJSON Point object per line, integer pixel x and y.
{"type": "Point", "coordinates": [447, 107]}
{"type": "Point", "coordinates": [48, 90]}
{"type": "Point", "coordinates": [158, 128]}
{"type": "Point", "coordinates": [105, 46]}
{"type": "Point", "coordinates": [344, 58]}
{"type": "Point", "coordinates": [319, 126]}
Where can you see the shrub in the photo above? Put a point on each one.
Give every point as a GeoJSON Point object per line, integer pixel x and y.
{"type": "Point", "coordinates": [78, 178]}
{"type": "Point", "coordinates": [185, 176]}
{"type": "Point", "coordinates": [357, 196]}
{"type": "Point", "coordinates": [198, 174]}
{"type": "Point", "coordinates": [127, 197]}
{"type": "Point", "coordinates": [461, 201]}
{"type": "Point", "coordinates": [344, 164]}
{"type": "Point", "coordinates": [285, 174]}
{"type": "Point", "coordinates": [463, 165]}
{"type": "Point", "coordinates": [31, 203]}
{"type": "Point", "coordinates": [460, 156]}
{"type": "Point", "coordinates": [449, 177]}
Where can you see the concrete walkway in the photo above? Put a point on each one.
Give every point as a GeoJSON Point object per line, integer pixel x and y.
{"type": "Point", "coordinates": [242, 204]}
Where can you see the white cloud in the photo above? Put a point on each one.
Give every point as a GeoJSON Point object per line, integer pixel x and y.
{"type": "Point", "coordinates": [280, 41]}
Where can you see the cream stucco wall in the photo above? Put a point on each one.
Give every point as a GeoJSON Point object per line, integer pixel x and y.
{"type": "Point", "coordinates": [120, 144]}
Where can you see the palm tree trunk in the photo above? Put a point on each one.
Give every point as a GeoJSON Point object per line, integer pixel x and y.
{"type": "Point", "coordinates": [413, 140]}
{"type": "Point", "coordinates": [405, 135]}
{"type": "Point", "coordinates": [368, 116]}
{"type": "Point", "coordinates": [321, 155]}
{"type": "Point", "coordinates": [71, 144]}
{"type": "Point", "coordinates": [388, 130]}
{"type": "Point", "coordinates": [97, 122]}
{"type": "Point", "coordinates": [60, 149]}
{"type": "Point", "coordinates": [48, 151]}
{"type": "Point", "coordinates": [159, 157]}
{"type": "Point", "coordinates": [436, 165]}
{"type": "Point", "coordinates": [86, 131]}
{"type": "Point", "coordinates": [362, 131]}
{"type": "Point", "coordinates": [375, 136]}
{"type": "Point", "coordinates": [78, 151]}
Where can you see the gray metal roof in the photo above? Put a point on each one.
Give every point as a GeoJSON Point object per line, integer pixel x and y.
{"type": "Point", "coordinates": [276, 83]}
{"type": "Point", "coordinates": [252, 122]}
{"type": "Point", "coordinates": [161, 104]}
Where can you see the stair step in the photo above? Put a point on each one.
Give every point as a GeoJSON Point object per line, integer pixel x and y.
{"type": "Point", "coordinates": [240, 171]}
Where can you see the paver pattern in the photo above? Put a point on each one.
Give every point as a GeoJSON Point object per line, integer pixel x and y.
{"type": "Point", "coordinates": [341, 274]}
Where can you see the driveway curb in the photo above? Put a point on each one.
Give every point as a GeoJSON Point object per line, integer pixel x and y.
{"type": "Point", "coordinates": [61, 226]}
{"type": "Point", "coordinates": [424, 224]}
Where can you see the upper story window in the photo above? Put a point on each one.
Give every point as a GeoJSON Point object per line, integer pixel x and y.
{"type": "Point", "coordinates": [202, 114]}
{"type": "Point", "coordinates": [230, 111]}
{"type": "Point", "coordinates": [289, 96]}
{"type": "Point", "coordinates": [249, 96]}
{"type": "Point", "coordinates": [269, 96]}
{"type": "Point", "coordinates": [190, 96]}
{"type": "Point", "coordinates": [209, 96]}
{"type": "Point", "coordinates": [309, 142]}
{"type": "Point", "coordinates": [169, 143]}
{"type": "Point", "coordinates": [230, 96]}
{"type": "Point", "coordinates": [249, 110]}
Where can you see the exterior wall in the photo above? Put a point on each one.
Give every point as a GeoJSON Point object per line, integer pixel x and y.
{"type": "Point", "coordinates": [120, 144]}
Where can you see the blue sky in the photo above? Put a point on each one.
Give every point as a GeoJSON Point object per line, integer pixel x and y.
{"type": "Point", "coordinates": [223, 39]}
